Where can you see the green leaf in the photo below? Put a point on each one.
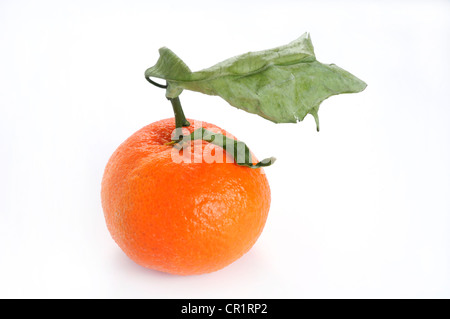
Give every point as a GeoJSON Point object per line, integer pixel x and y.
{"type": "Point", "coordinates": [238, 149]}
{"type": "Point", "coordinates": [283, 84]}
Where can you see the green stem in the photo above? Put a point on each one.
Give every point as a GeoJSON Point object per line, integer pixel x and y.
{"type": "Point", "coordinates": [180, 119]}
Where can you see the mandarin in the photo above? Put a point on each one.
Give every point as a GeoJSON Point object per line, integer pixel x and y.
{"type": "Point", "coordinates": [182, 217]}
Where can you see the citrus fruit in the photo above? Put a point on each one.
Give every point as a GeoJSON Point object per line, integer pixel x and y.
{"type": "Point", "coordinates": [181, 217]}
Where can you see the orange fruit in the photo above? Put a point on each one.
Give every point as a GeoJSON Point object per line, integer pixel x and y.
{"type": "Point", "coordinates": [179, 217]}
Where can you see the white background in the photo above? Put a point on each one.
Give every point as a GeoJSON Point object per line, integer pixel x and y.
{"type": "Point", "coordinates": [359, 210]}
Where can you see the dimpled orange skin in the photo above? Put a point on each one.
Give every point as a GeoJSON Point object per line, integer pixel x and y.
{"type": "Point", "coordinates": [176, 217]}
